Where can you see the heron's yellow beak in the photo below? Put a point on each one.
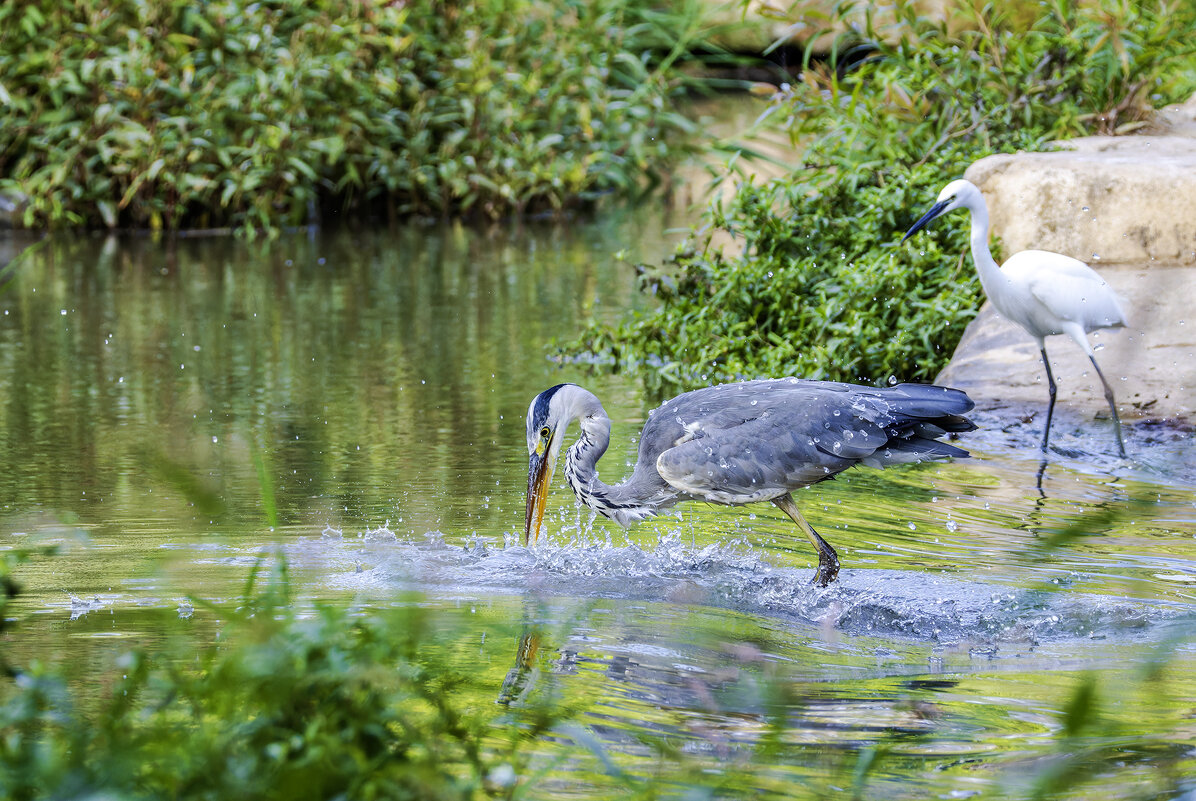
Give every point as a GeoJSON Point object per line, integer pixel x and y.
{"type": "Point", "coordinates": [539, 474]}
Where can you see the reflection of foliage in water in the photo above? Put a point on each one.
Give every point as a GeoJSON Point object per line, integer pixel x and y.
{"type": "Point", "coordinates": [342, 357]}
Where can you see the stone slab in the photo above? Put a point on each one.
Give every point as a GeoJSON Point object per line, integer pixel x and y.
{"type": "Point", "coordinates": [756, 26]}
{"type": "Point", "coordinates": [1111, 199]}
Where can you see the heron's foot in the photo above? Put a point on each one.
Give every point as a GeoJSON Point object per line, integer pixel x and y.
{"type": "Point", "coordinates": [828, 560]}
{"type": "Point", "coordinates": [828, 566]}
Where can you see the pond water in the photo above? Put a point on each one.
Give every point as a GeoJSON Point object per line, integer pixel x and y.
{"type": "Point", "coordinates": [354, 401]}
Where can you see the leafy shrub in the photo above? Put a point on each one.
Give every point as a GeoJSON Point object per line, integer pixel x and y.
{"type": "Point", "coordinates": [821, 288]}
{"type": "Point", "coordinates": [334, 704]}
{"type": "Point", "coordinates": [259, 114]}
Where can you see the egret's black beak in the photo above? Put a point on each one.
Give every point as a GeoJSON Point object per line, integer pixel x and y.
{"type": "Point", "coordinates": [935, 211]}
{"type": "Point", "coordinates": [539, 474]}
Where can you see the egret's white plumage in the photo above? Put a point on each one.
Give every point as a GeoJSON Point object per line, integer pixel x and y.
{"type": "Point", "coordinates": [1045, 293]}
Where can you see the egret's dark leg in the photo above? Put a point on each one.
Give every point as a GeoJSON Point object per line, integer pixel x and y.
{"type": "Point", "coordinates": [828, 560]}
{"type": "Point", "coordinates": [1038, 482]}
{"type": "Point", "coordinates": [1112, 407]}
{"type": "Point", "coordinates": [1046, 432]}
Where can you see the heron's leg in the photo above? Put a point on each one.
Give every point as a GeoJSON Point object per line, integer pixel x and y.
{"type": "Point", "coordinates": [828, 560]}
{"type": "Point", "coordinates": [1112, 407]}
{"type": "Point", "coordinates": [1046, 432]}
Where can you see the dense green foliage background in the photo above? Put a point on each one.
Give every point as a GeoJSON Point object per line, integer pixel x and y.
{"type": "Point", "coordinates": [822, 289]}
{"type": "Point", "coordinates": [259, 114]}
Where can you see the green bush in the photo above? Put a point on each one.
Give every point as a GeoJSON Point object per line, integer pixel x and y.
{"type": "Point", "coordinates": [330, 704]}
{"type": "Point", "coordinates": [172, 113]}
{"type": "Point", "coordinates": [822, 288]}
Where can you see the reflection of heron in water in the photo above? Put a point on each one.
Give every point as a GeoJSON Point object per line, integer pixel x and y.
{"type": "Point", "coordinates": [522, 677]}
{"type": "Point", "coordinates": [1045, 293]}
{"type": "Point", "coordinates": [740, 443]}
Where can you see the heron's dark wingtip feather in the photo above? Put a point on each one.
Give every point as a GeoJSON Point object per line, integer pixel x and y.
{"type": "Point", "coordinates": [955, 423]}
{"type": "Point", "coordinates": [931, 400]}
{"type": "Point", "coordinates": [922, 449]}
{"type": "Point", "coordinates": [918, 414]}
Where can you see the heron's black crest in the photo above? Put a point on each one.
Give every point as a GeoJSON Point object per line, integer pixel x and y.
{"type": "Point", "coordinates": [540, 409]}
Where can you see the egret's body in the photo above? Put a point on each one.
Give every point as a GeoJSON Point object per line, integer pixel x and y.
{"type": "Point", "coordinates": [740, 443]}
{"type": "Point", "coordinates": [1045, 293]}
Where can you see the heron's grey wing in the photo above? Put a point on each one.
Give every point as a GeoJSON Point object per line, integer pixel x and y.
{"type": "Point", "coordinates": [758, 460]}
{"type": "Point", "coordinates": [757, 440]}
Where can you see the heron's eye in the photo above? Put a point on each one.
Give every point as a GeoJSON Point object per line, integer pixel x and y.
{"type": "Point", "coordinates": [545, 431]}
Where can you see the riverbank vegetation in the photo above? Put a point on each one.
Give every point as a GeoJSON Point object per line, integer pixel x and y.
{"type": "Point", "coordinates": [256, 115]}
{"type": "Point", "coordinates": [822, 288]}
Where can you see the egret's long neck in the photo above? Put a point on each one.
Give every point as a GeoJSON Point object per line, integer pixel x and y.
{"type": "Point", "coordinates": [990, 272]}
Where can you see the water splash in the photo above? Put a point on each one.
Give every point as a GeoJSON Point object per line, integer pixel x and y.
{"type": "Point", "coordinates": [733, 575]}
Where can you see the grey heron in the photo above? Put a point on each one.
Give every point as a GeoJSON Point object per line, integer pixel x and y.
{"type": "Point", "coordinates": [1045, 293]}
{"type": "Point", "coordinates": [741, 443]}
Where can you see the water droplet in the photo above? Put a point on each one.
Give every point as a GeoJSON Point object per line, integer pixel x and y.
{"type": "Point", "coordinates": [912, 527]}
{"type": "Point", "coordinates": [952, 526]}
{"type": "Point", "coordinates": [892, 380]}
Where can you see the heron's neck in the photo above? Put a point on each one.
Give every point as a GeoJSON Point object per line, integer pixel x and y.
{"type": "Point", "coordinates": [990, 272]}
{"type": "Point", "coordinates": [623, 502]}
{"type": "Point", "coordinates": [583, 456]}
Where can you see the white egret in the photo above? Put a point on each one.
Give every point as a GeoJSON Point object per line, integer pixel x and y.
{"type": "Point", "coordinates": [1045, 293]}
